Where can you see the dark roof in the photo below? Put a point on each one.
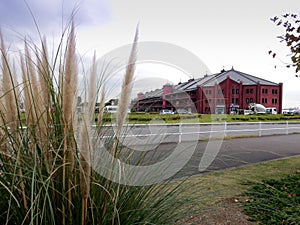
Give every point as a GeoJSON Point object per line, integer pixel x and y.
{"type": "Point", "coordinates": [191, 84]}
{"type": "Point", "coordinates": [153, 94]}
{"type": "Point", "coordinates": [238, 77]}
{"type": "Point", "coordinates": [211, 80]}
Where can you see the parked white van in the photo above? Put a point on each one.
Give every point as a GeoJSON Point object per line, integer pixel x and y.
{"type": "Point", "coordinates": [166, 111]}
{"type": "Point", "coordinates": [271, 110]}
{"type": "Point", "coordinates": [112, 109]}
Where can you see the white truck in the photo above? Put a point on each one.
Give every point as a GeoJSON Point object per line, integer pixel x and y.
{"type": "Point", "coordinates": [257, 108]}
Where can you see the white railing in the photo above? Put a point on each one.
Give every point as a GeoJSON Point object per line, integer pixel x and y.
{"type": "Point", "coordinates": [154, 133]}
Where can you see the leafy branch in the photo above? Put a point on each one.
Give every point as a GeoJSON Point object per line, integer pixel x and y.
{"type": "Point", "coordinates": [291, 37]}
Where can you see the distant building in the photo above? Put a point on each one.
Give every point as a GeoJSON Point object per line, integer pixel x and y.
{"type": "Point", "coordinates": [218, 94]}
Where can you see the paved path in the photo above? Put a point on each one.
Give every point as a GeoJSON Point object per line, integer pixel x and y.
{"type": "Point", "coordinates": [192, 158]}
{"type": "Point", "coordinates": [241, 151]}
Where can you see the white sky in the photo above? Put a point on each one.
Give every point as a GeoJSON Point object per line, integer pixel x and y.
{"type": "Point", "coordinates": [221, 33]}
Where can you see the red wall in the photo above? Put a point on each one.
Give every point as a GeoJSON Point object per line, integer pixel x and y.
{"type": "Point", "coordinates": [167, 89]}
{"type": "Point", "coordinates": [230, 92]}
{"type": "Point", "coordinates": [226, 93]}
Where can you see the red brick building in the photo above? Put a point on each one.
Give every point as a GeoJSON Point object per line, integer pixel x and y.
{"type": "Point", "coordinates": [218, 93]}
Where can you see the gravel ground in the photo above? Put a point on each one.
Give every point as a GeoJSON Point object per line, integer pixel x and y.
{"type": "Point", "coordinates": [226, 212]}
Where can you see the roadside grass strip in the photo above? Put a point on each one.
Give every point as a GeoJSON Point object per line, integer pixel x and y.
{"type": "Point", "coordinates": [274, 201]}
{"type": "Point", "coordinates": [271, 190]}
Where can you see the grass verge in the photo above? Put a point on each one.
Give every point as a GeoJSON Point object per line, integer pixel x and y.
{"type": "Point", "coordinates": [145, 118]}
{"type": "Point", "coordinates": [217, 186]}
{"type": "Point", "coordinates": [275, 201]}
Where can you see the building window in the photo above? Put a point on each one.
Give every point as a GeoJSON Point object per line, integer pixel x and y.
{"type": "Point", "coordinates": [274, 100]}
{"type": "Point", "coordinates": [208, 92]}
{"type": "Point", "coordinates": [247, 100]}
{"type": "Point", "coordinates": [251, 100]}
{"type": "Point", "coordinates": [265, 91]}
{"type": "Point", "coordinates": [220, 101]}
{"type": "Point", "coordinates": [235, 101]}
{"type": "Point", "coordinates": [249, 91]}
{"type": "Point", "coordinates": [274, 91]}
{"type": "Point", "coordinates": [207, 109]}
{"type": "Point", "coordinates": [264, 100]}
{"type": "Point", "coordinates": [235, 91]}
{"type": "Point", "coordinates": [220, 91]}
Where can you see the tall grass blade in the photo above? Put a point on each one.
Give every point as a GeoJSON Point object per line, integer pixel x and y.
{"type": "Point", "coordinates": [126, 91]}
{"type": "Point", "coordinates": [48, 171]}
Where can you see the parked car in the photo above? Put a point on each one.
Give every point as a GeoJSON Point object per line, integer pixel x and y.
{"type": "Point", "coordinates": [291, 111]}
{"type": "Point", "coordinates": [166, 111]}
{"type": "Point", "coordinates": [112, 109]}
{"type": "Point", "coordinates": [247, 112]}
{"type": "Point", "coordinates": [182, 111]}
{"type": "Point", "coordinates": [296, 112]}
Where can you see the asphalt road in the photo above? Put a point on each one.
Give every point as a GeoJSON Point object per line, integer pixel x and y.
{"type": "Point", "coordinates": [206, 156]}
{"type": "Point", "coordinates": [242, 151]}
{"type": "Point", "coordinates": [198, 157]}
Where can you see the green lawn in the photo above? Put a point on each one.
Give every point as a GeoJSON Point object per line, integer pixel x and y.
{"type": "Point", "coordinates": [214, 187]}
{"type": "Point", "coordinates": [145, 118]}
{"type": "Point", "coordinates": [275, 201]}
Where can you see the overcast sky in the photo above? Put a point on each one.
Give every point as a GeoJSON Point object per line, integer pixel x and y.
{"type": "Point", "coordinates": [221, 33]}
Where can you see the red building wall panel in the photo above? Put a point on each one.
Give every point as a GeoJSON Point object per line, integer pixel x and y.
{"type": "Point", "coordinates": [209, 99]}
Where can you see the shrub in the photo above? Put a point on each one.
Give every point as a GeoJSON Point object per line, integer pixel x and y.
{"type": "Point", "coordinates": [46, 169]}
{"type": "Point", "coordinates": [245, 118]}
{"type": "Point", "coordinates": [275, 201]}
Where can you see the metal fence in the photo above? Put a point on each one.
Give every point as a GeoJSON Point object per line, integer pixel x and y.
{"type": "Point", "coordinates": [161, 133]}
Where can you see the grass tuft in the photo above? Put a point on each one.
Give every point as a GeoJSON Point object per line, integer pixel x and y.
{"type": "Point", "coordinates": [274, 201]}
{"type": "Point", "coordinates": [47, 174]}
